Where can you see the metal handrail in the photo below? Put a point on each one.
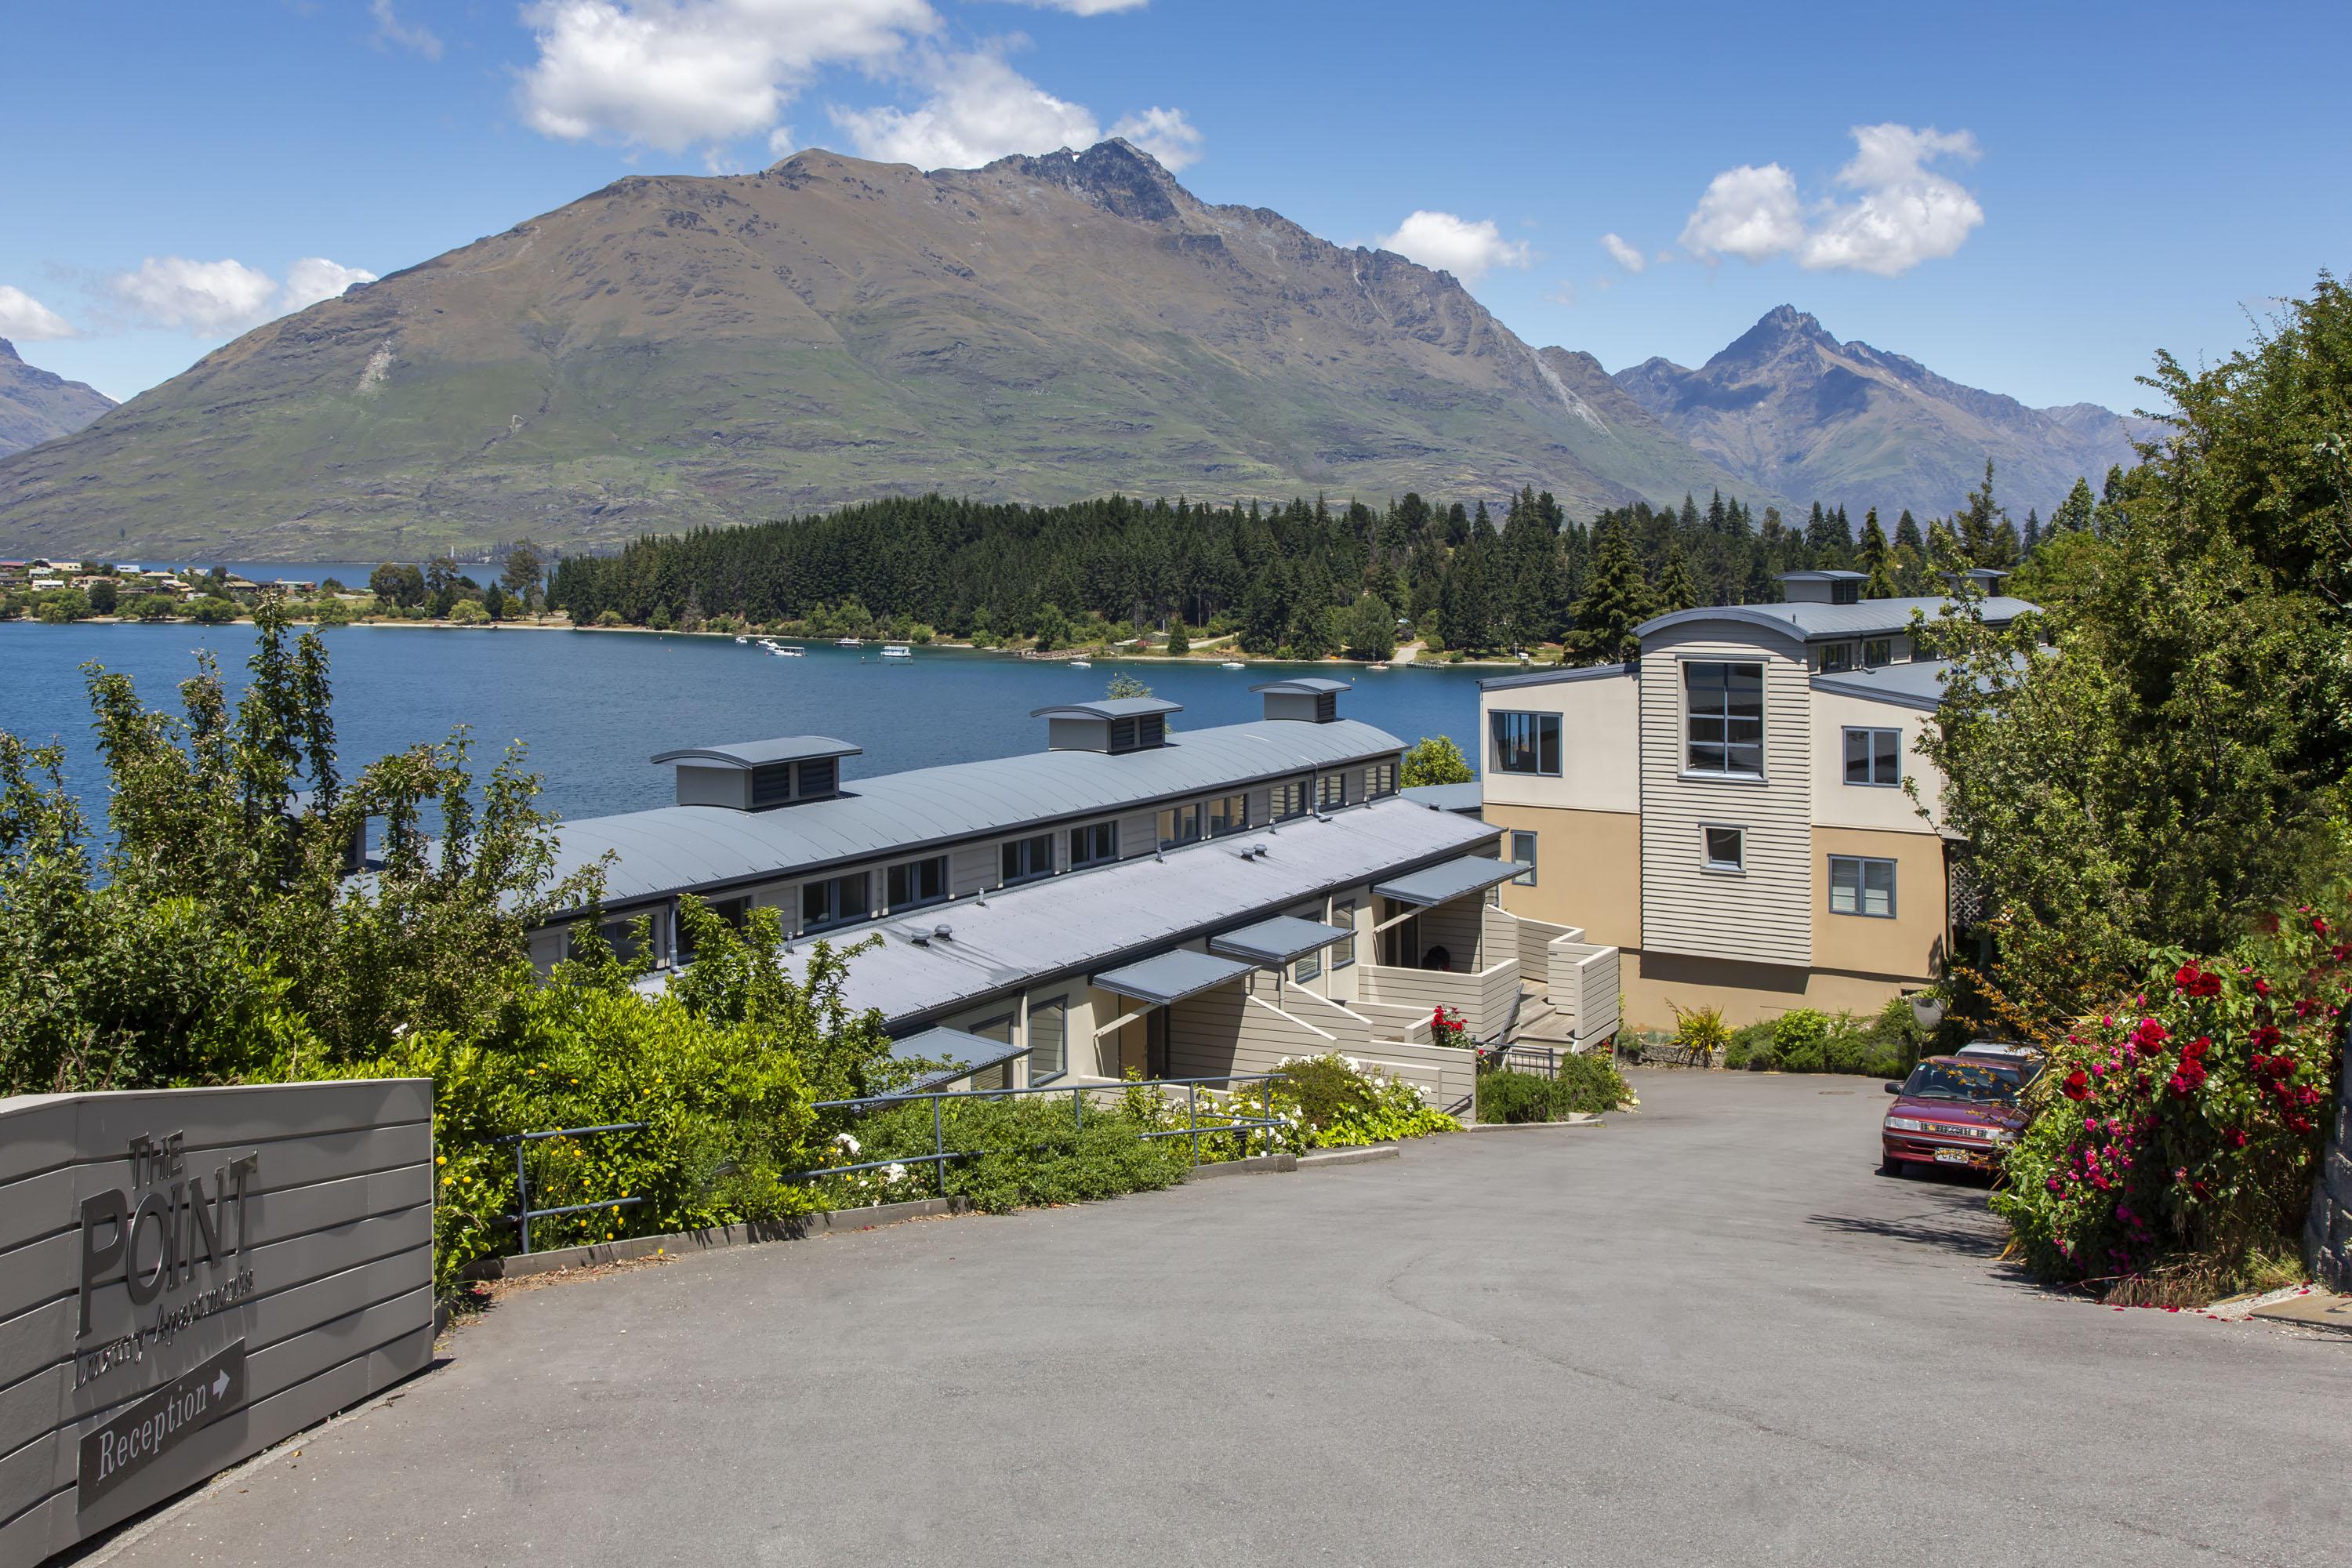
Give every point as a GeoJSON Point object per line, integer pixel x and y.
{"type": "Point", "coordinates": [524, 1214]}
{"type": "Point", "coordinates": [940, 1154]}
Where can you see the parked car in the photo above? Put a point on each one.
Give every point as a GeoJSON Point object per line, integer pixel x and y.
{"type": "Point", "coordinates": [1952, 1110]}
{"type": "Point", "coordinates": [2027, 1059]}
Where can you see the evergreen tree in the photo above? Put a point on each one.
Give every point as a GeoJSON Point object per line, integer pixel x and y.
{"type": "Point", "coordinates": [1979, 522]}
{"type": "Point", "coordinates": [2075, 513]}
{"type": "Point", "coordinates": [1906, 533]}
{"type": "Point", "coordinates": [1616, 600]}
{"type": "Point", "coordinates": [1674, 591]}
{"type": "Point", "coordinates": [2032, 533]}
{"type": "Point", "coordinates": [1180, 642]}
{"type": "Point", "coordinates": [1878, 559]}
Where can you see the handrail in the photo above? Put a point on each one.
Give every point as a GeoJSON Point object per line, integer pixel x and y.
{"type": "Point", "coordinates": [524, 1214]}
{"type": "Point", "coordinates": [1339, 1008]}
{"type": "Point", "coordinates": [1290, 1019]}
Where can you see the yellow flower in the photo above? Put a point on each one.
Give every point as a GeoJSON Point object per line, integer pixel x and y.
{"type": "Point", "coordinates": [441, 1159]}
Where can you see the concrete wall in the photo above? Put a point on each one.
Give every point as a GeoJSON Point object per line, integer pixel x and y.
{"type": "Point", "coordinates": [1764, 912]}
{"type": "Point", "coordinates": [313, 1292]}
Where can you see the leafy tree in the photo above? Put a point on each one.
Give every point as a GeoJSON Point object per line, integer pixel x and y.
{"type": "Point", "coordinates": [2075, 513]}
{"type": "Point", "coordinates": [493, 602]}
{"type": "Point", "coordinates": [212, 610]}
{"type": "Point", "coordinates": [1435, 759]}
{"type": "Point", "coordinates": [1051, 629]}
{"type": "Point", "coordinates": [1125, 685]}
{"type": "Point", "coordinates": [103, 596]}
{"type": "Point", "coordinates": [522, 576]}
{"type": "Point", "coordinates": [1371, 629]}
{"type": "Point", "coordinates": [397, 585]}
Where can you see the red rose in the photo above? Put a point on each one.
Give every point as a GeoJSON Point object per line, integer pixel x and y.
{"type": "Point", "coordinates": [2263, 1038]}
{"type": "Point", "coordinates": [2340, 952]}
{"type": "Point", "coordinates": [2196, 1047]}
{"type": "Point", "coordinates": [2319, 925]}
{"type": "Point", "coordinates": [2149, 1034]}
{"type": "Point", "coordinates": [2261, 987]}
{"type": "Point", "coordinates": [2078, 1085]}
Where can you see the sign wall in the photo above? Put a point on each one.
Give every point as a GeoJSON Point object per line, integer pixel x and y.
{"type": "Point", "coordinates": [187, 1276]}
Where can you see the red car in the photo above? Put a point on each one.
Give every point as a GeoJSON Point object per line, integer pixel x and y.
{"type": "Point", "coordinates": [1952, 1110]}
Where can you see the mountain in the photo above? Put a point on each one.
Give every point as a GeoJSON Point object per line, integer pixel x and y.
{"type": "Point", "coordinates": [675, 351]}
{"type": "Point", "coordinates": [1789, 408]}
{"type": "Point", "coordinates": [37, 405]}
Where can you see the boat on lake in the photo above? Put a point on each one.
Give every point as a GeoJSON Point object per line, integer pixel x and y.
{"type": "Point", "coordinates": [1082, 664]}
{"type": "Point", "coordinates": [849, 642]}
{"type": "Point", "coordinates": [897, 650]}
{"type": "Point", "coordinates": [787, 650]}
{"type": "Point", "coordinates": [1233, 664]}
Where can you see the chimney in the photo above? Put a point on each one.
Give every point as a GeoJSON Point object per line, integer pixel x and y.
{"type": "Point", "coordinates": [1312, 700]}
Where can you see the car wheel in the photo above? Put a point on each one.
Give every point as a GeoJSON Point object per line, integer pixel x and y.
{"type": "Point", "coordinates": [1887, 1167]}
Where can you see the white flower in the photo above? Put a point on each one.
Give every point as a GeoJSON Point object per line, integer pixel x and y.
{"type": "Point", "coordinates": [894, 1172]}
{"type": "Point", "coordinates": [846, 1142]}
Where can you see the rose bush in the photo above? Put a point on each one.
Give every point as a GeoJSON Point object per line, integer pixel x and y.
{"type": "Point", "coordinates": [2175, 1138]}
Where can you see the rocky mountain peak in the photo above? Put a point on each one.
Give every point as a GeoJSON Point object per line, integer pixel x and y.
{"type": "Point", "coordinates": [1777, 329]}
{"type": "Point", "coordinates": [1115, 175]}
{"type": "Point", "coordinates": [8, 350]}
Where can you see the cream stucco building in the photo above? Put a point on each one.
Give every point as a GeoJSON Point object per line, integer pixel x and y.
{"type": "Point", "coordinates": [1730, 809]}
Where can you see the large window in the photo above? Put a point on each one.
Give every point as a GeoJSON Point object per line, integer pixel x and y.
{"type": "Point", "coordinates": [1000, 1075]}
{"type": "Point", "coordinates": [1093, 845]}
{"type": "Point", "coordinates": [1523, 850]}
{"type": "Point", "coordinates": [1836, 657]}
{"type": "Point", "coordinates": [1874, 757]}
{"type": "Point", "coordinates": [1723, 849]}
{"type": "Point", "coordinates": [1026, 859]}
{"type": "Point", "coordinates": [1524, 743]}
{"type": "Point", "coordinates": [1290, 799]}
{"type": "Point", "coordinates": [833, 900]}
{"type": "Point", "coordinates": [1343, 952]}
{"type": "Point", "coordinates": [1876, 651]}
{"type": "Point", "coordinates": [1860, 887]}
{"type": "Point", "coordinates": [917, 882]}
{"type": "Point", "coordinates": [1049, 1039]}
{"type": "Point", "coordinates": [1725, 709]}
{"type": "Point", "coordinates": [1330, 791]}
{"type": "Point", "coordinates": [1179, 824]}
{"type": "Point", "coordinates": [1228, 814]}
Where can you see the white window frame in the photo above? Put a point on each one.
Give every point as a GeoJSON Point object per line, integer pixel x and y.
{"type": "Point", "coordinates": [1525, 879]}
{"type": "Point", "coordinates": [1060, 1007]}
{"type": "Point", "coordinates": [1707, 861]}
{"type": "Point", "coordinates": [1861, 865]}
{"type": "Point", "coordinates": [1845, 756]}
{"type": "Point", "coordinates": [1691, 716]}
{"type": "Point", "coordinates": [1343, 952]}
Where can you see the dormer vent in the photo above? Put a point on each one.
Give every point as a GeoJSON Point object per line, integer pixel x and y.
{"type": "Point", "coordinates": [1115, 725]}
{"type": "Point", "coordinates": [761, 775]}
{"type": "Point", "coordinates": [1311, 700]}
{"type": "Point", "coordinates": [1823, 587]}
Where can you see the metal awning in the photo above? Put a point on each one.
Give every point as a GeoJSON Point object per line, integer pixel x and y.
{"type": "Point", "coordinates": [977, 1052]}
{"type": "Point", "coordinates": [1279, 941]}
{"type": "Point", "coordinates": [1173, 976]}
{"type": "Point", "coordinates": [1450, 881]}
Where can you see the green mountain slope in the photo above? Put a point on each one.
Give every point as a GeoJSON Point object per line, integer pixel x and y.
{"type": "Point", "coordinates": [678, 351]}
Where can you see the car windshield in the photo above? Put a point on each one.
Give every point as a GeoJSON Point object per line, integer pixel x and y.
{"type": "Point", "coordinates": [1972, 1080]}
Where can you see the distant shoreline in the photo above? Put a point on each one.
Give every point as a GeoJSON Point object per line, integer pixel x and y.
{"type": "Point", "coordinates": [1406, 657]}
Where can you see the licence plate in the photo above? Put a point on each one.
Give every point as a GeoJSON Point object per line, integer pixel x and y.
{"type": "Point", "coordinates": [1953, 1157]}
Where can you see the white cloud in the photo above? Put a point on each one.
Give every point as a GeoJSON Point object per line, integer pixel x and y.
{"type": "Point", "coordinates": [1562, 293]}
{"type": "Point", "coordinates": [1747, 212]}
{"type": "Point", "coordinates": [1468, 250]}
{"type": "Point", "coordinates": [1627, 257]}
{"type": "Point", "coordinates": [1902, 213]}
{"type": "Point", "coordinates": [207, 299]}
{"type": "Point", "coordinates": [1164, 134]}
{"type": "Point", "coordinates": [780, 143]}
{"type": "Point", "coordinates": [670, 73]}
{"type": "Point", "coordinates": [215, 299]}
{"type": "Point", "coordinates": [978, 109]}
{"type": "Point", "coordinates": [1906, 214]}
{"type": "Point", "coordinates": [390, 30]}
{"type": "Point", "coordinates": [313, 278]}
{"type": "Point", "coordinates": [1086, 7]}
{"type": "Point", "coordinates": [27, 319]}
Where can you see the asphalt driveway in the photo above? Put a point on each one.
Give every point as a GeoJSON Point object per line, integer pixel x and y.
{"type": "Point", "coordinates": [1706, 1333]}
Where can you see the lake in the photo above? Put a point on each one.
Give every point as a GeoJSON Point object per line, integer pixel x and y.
{"type": "Point", "coordinates": [592, 707]}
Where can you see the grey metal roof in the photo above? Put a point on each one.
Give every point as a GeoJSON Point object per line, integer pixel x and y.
{"type": "Point", "coordinates": [1825, 575]}
{"type": "Point", "coordinates": [1109, 708]}
{"type": "Point", "coordinates": [1168, 977]}
{"type": "Point", "coordinates": [1442, 884]}
{"type": "Point", "coordinates": [1552, 677]}
{"type": "Point", "coordinates": [1280, 940]}
{"type": "Point", "coordinates": [694, 848]}
{"type": "Point", "coordinates": [978, 1053]}
{"type": "Point", "coordinates": [759, 753]}
{"type": "Point", "coordinates": [1083, 921]}
{"type": "Point", "coordinates": [1462, 797]}
{"type": "Point", "coordinates": [1918, 684]}
{"type": "Point", "coordinates": [1814, 623]}
{"type": "Point", "coordinates": [1307, 685]}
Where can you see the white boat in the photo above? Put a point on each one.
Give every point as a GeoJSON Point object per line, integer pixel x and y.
{"type": "Point", "coordinates": [897, 650]}
{"type": "Point", "coordinates": [787, 650]}
{"type": "Point", "coordinates": [743, 639]}
{"type": "Point", "coordinates": [1233, 664]}
{"type": "Point", "coordinates": [1379, 667]}
{"type": "Point", "coordinates": [1082, 664]}
{"type": "Point", "coordinates": [849, 642]}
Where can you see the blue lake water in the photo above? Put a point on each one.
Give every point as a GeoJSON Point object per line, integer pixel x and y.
{"type": "Point", "coordinates": [592, 707]}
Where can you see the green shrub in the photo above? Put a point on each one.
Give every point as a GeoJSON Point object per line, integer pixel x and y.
{"type": "Point", "coordinates": [1027, 1150]}
{"type": "Point", "coordinates": [1321, 1090]}
{"type": "Point", "coordinates": [1512, 1095]}
{"type": "Point", "coordinates": [1751, 1048]}
{"type": "Point", "coordinates": [608, 618]}
{"type": "Point", "coordinates": [1700, 1030]}
{"type": "Point", "coordinates": [1585, 1085]}
{"type": "Point", "coordinates": [1799, 1040]}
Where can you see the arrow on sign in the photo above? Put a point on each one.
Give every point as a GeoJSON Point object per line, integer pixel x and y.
{"type": "Point", "coordinates": [220, 1385]}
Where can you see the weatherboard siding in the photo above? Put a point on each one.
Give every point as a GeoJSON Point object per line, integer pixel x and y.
{"type": "Point", "coordinates": [1762, 915]}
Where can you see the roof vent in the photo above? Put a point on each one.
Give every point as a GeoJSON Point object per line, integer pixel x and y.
{"type": "Point", "coordinates": [1114, 725]}
{"type": "Point", "coordinates": [1313, 700]}
{"type": "Point", "coordinates": [1823, 587]}
{"type": "Point", "coordinates": [759, 775]}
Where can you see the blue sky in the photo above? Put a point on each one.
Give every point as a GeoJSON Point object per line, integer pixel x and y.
{"type": "Point", "coordinates": [2030, 198]}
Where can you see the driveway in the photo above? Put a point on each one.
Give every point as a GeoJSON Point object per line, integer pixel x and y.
{"type": "Point", "coordinates": [1706, 1333]}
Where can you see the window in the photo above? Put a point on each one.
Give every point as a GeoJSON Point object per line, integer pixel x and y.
{"type": "Point", "coordinates": [1380, 779]}
{"type": "Point", "coordinates": [1874, 757]}
{"type": "Point", "coordinates": [1049, 1037]}
{"type": "Point", "coordinates": [1343, 952]}
{"type": "Point", "coordinates": [918, 882]}
{"type": "Point", "coordinates": [1725, 717]}
{"type": "Point", "coordinates": [620, 935]}
{"type": "Point", "coordinates": [1228, 814]}
{"type": "Point", "coordinates": [1026, 859]}
{"type": "Point", "coordinates": [1289, 800]}
{"type": "Point", "coordinates": [1845, 591]}
{"type": "Point", "coordinates": [1093, 845]}
{"type": "Point", "coordinates": [1330, 791]}
{"type": "Point", "coordinates": [1524, 743]}
{"type": "Point", "coordinates": [1723, 848]}
{"type": "Point", "coordinates": [1860, 887]}
{"type": "Point", "coordinates": [1877, 651]}
{"type": "Point", "coordinates": [1523, 850]}
{"type": "Point", "coordinates": [1179, 824]}
{"type": "Point", "coordinates": [1836, 657]}
{"type": "Point", "coordinates": [1309, 967]}
{"type": "Point", "coordinates": [833, 900]}
{"type": "Point", "coordinates": [1000, 1075]}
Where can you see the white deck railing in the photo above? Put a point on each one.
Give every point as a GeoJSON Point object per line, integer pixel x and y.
{"type": "Point", "coordinates": [1485, 999]}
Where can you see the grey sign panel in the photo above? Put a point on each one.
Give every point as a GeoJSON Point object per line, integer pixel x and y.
{"type": "Point", "coordinates": [188, 1275]}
